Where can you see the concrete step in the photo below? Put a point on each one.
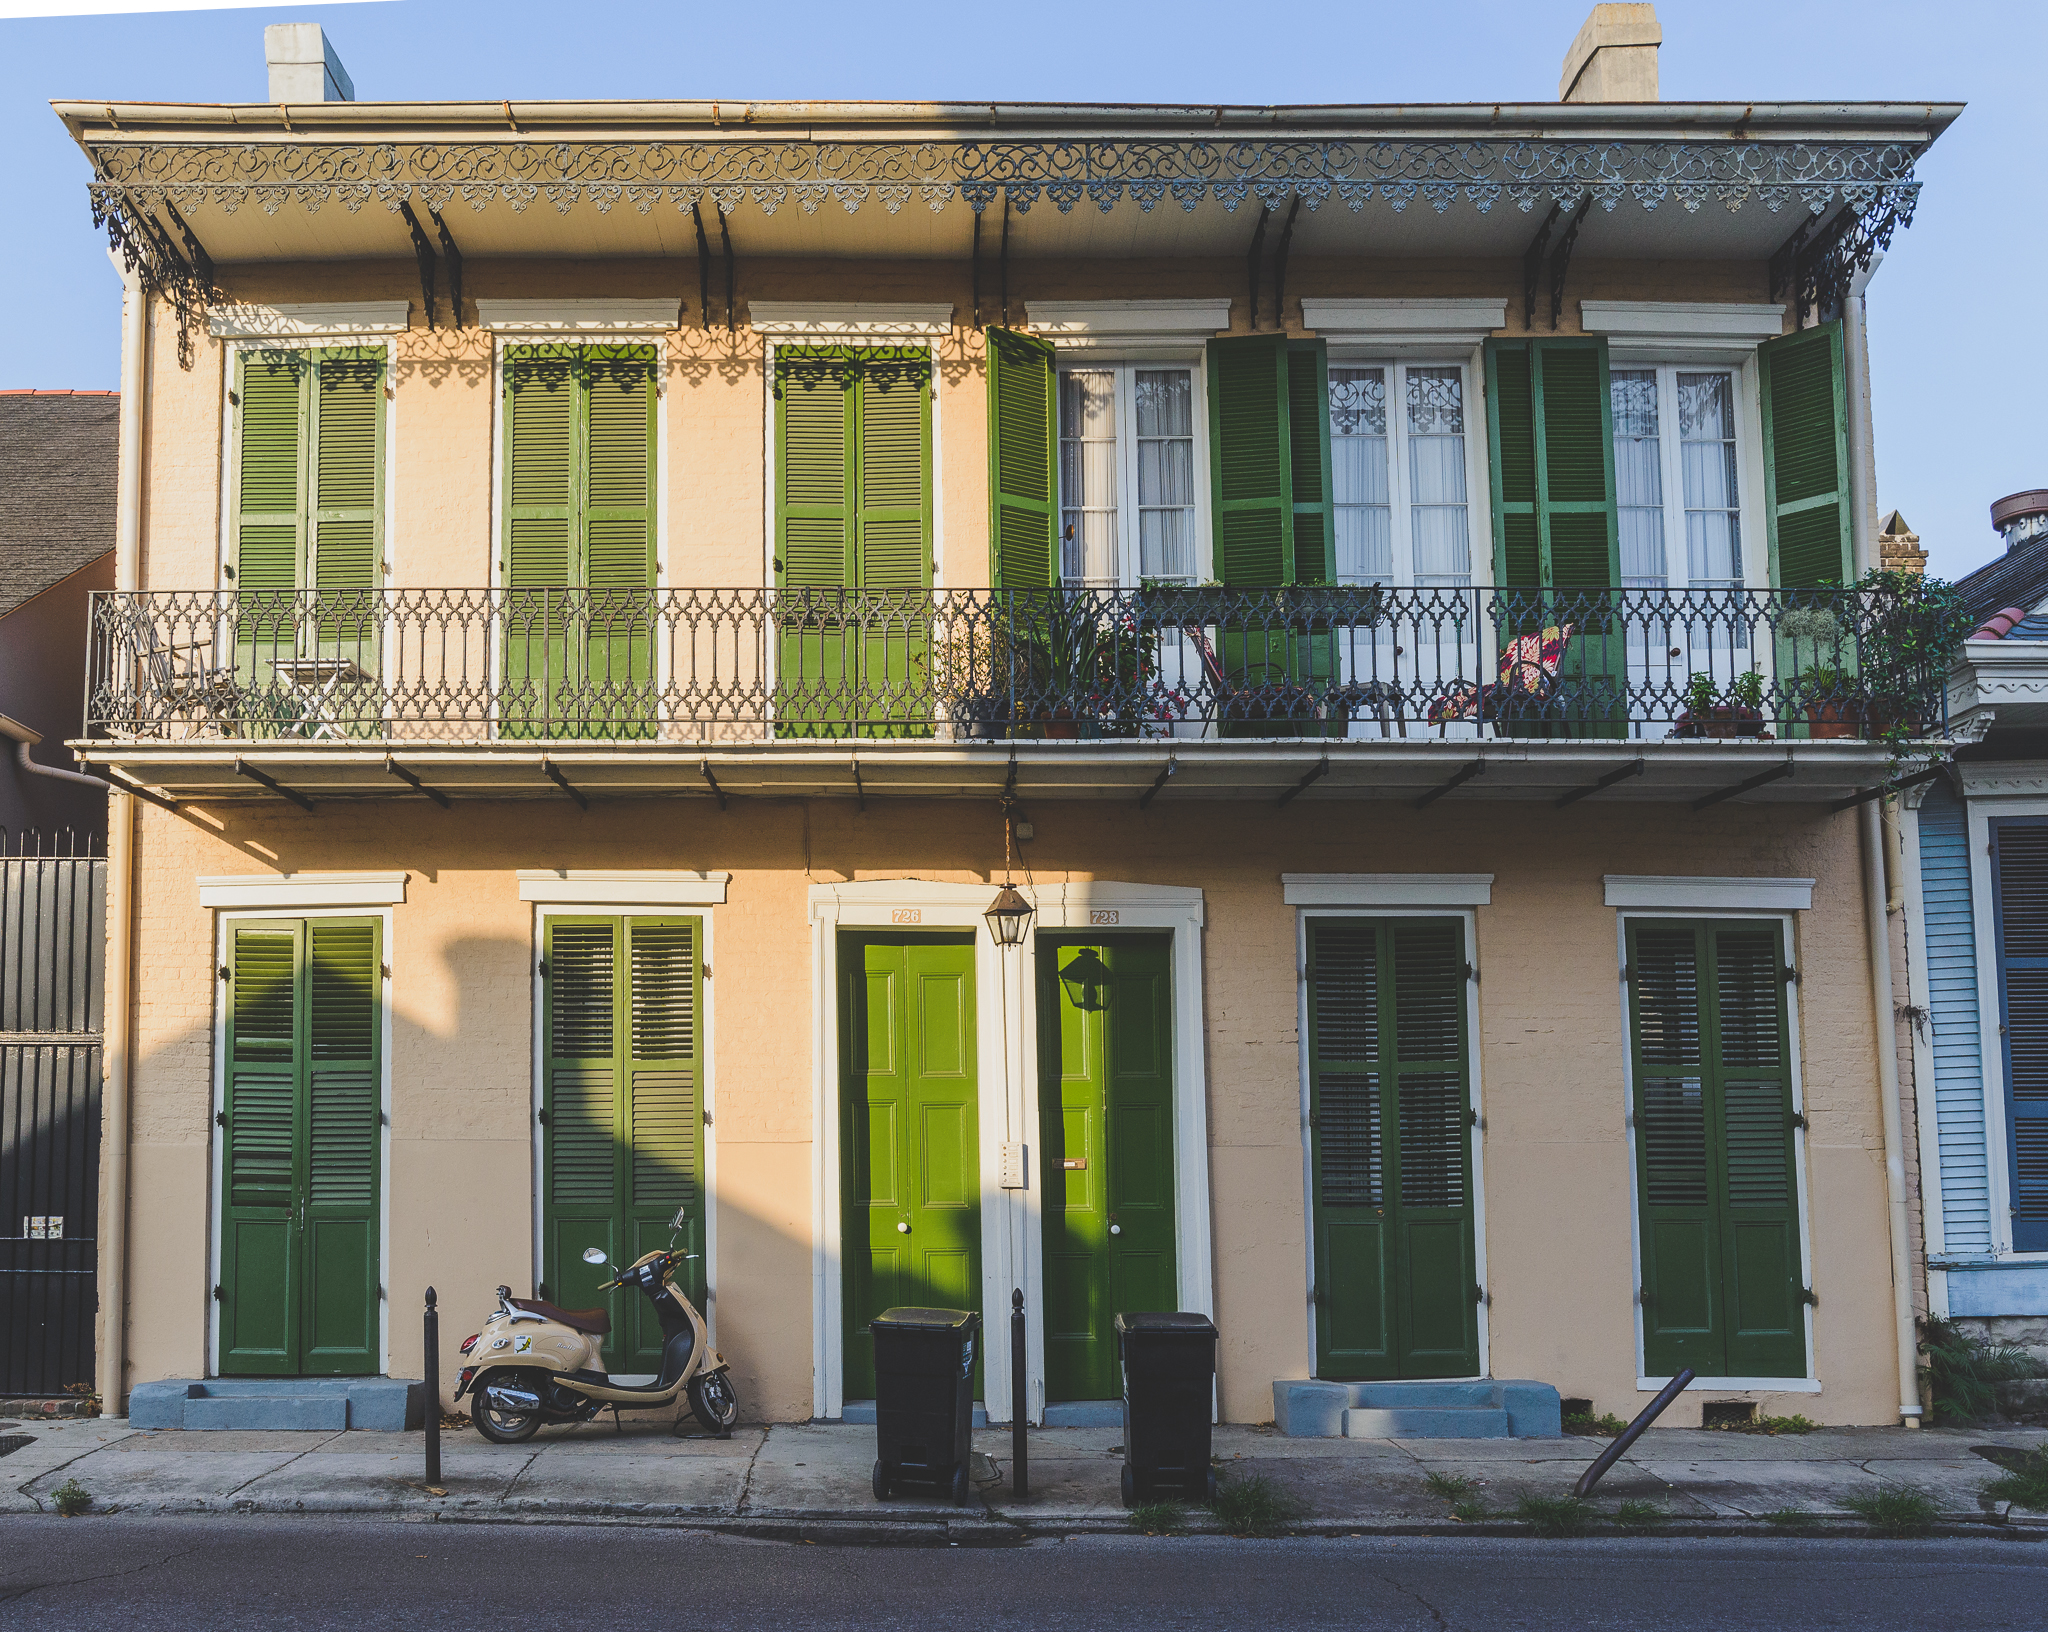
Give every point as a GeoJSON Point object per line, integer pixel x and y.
{"type": "Point", "coordinates": [378, 1404]}
{"type": "Point", "coordinates": [1482, 1408]}
{"type": "Point", "coordinates": [1426, 1422]}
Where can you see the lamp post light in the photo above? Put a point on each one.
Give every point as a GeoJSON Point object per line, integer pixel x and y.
{"type": "Point", "coordinates": [1008, 915]}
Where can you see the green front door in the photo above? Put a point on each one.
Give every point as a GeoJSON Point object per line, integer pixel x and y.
{"type": "Point", "coordinates": [1722, 1288]}
{"type": "Point", "coordinates": [300, 1150]}
{"type": "Point", "coordinates": [621, 1072]}
{"type": "Point", "coordinates": [1396, 1291]}
{"type": "Point", "coordinates": [1105, 1053]}
{"type": "Point", "coordinates": [908, 1134]}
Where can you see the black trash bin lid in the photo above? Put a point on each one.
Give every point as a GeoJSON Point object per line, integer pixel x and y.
{"type": "Point", "coordinates": [924, 1320]}
{"type": "Point", "coordinates": [1181, 1325]}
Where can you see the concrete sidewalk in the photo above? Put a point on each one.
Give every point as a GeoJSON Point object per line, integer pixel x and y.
{"type": "Point", "coordinates": [813, 1478]}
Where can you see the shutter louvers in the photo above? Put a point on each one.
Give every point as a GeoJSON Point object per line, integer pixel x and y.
{"type": "Point", "coordinates": [814, 395]}
{"type": "Point", "coordinates": [540, 460]}
{"type": "Point", "coordinates": [1249, 464]}
{"type": "Point", "coordinates": [1428, 992]}
{"type": "Point", "coordinates": [1308, 446]}
{"type": "Point", "coordinates": [1806, 457]}
{"type": "Point", "coordinates": [270, 495]}
{"type": "Point", "coordinates": [1511, 416]}
{"type": "Point", "coordinates": [1552, 451]}
{"type": "Point", "coordinates": [348, 413]}
{"type": "Point", "coordinates": [2021, 860]}
{"type": "Point", "coordinates": [1346, 1001]}
{"type": "Point", "coordinates": [1023, 507]}
{"type": "Point", "coordinates": [582, 1075]}
{"type": "Point", "coordinates": [262, 1075]}
{"type": "Point", "coordinates": [894, 517]}
{"type": "Point", "coordinates": [1672, 1130]}
{"type": "Point", "coordinates": [343, 1088]}
{"type": "Point", "coordinates": [1432, 1135]}
{"type": "Point", "coordinates": [663, 1013]}
{"type": "Point", "coordinates": [619, 489]}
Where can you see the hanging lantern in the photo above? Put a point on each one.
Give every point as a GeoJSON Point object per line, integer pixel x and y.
{"type": "Point", "coordinates": [1086, 981]}
{"type": "Point", "coordinates": [1009, 915]}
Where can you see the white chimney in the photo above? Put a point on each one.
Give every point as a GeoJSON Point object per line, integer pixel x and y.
{"type": "Point", "coordinates": [1614, 59]}
{"type": "Point", "coordinates": [303, 66]}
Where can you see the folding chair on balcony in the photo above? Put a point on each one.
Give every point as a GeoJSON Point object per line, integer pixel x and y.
{"type": "Point", "coordinates": [182, 680]}
{"type": "Point", "coordinates": [1526, 683]}
{"type": "Point", "coordinates": [1269, 693]}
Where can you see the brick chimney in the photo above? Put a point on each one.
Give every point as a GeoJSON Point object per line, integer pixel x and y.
{"type": "Point", "coordinates": [1898, 547]}
{"type": "Point", "coordinates": [1614, 59]}
{"type": "Point", "coordinates": [304, 66]}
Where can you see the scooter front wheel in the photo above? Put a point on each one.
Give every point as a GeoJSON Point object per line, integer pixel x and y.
{"type": "Point", "coordinates": [714, 1403]}
{"type": "Point", "coordinates": [498, 1425]}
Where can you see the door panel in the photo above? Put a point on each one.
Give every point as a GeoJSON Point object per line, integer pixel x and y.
{"type": "Point", "coordinates": [910, 1134]}
{"type": "Point", "coordinates": [1106, 1107]}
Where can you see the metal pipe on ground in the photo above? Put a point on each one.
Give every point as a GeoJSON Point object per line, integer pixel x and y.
{"type": "Point", "coordinates": [1629, 1435]}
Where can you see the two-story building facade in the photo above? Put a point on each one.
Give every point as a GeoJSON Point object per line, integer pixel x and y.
{"type": "Point", "coordinates": [609, 593]}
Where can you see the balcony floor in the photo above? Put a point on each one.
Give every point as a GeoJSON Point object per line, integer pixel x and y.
{"type": "Point", "coordinates": [1672, 772]}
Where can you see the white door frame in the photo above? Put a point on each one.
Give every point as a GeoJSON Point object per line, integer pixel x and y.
{"type": "Point", "coordinates": [1006, 985]}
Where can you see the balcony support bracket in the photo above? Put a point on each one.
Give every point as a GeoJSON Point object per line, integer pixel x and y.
{"type": "Point", "coordinates": [860, 792]}
{"type": "Point", "coordinates": [1776, 773]}
{"type": "Point", "coordinates": [425, 253]}
{"type": "Point", "coordinates": [1884, 788]}
{"type": "Point", "coordinates": [1633, 768]}
{"type": "Point", "coordinates": [1320, 770]}
{"type": "Point", "coordinates": [554, 775]}
{"type": "Point", "coordinates": [244, 768]}
{"type": "Point", "coordinates": [1158, 782]}
{"type": "Point", "coordinates": [393, 768]}
{"type": "Point", "coordinates": [704, 770]}
{"type": "Point", "coordinates": [1459, 778]}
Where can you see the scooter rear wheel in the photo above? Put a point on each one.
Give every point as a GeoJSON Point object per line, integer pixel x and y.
{"type": "Point", "coordinates": [714, 1403]}
{"type": "Point", "coordinates": [499, 1426]}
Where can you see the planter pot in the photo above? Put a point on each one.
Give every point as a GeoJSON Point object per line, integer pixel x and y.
{"type": "Point", "coordinates": [1835, 719]}
{"type": "Point", "coordinates": [1722, 720]}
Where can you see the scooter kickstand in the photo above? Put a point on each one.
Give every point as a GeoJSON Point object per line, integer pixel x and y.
{"type": "Point", "coordinates": [617, 1421]}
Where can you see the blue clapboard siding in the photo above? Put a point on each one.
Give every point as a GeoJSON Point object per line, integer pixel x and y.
{"type": "Point", "coordinates": [1958, 1038]}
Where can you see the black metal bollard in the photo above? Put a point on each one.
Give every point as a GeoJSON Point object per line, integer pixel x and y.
{"type": "Point", "coordinates": [433, 1370]}
{"type": "Point", "coordinates": [1021, 1479]}
{"type": "Point", "coordinates": [1629, 1435]}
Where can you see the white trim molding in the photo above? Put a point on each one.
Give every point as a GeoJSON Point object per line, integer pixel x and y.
{"type": "Point", "coordinates": [605, 886]}
{"type": "Point", "coordinates": [1378, 890]}
{"type": "Point", "coordinates": [1393, 327]}
{"type": "Point", "coordinates": [821, 317]}
{"type": "Point", "coordinates": [253, 322]}
{"type": "Point", "coordinates": [576, 316]}
{"type": "Point", "coordinates": [1653, 892]}
{"type": "Point", "coordinates": [1734, 1385]}
{"type": "Point", "coordinates": [250, 891]}
{"type": "Point", "coordinates": [1682, 330]}
{"type": "Point", "coordinates": [1129, 328]}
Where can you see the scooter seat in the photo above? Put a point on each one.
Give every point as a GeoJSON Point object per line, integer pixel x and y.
{"type": "Point", "coordinates": [593, 1321]}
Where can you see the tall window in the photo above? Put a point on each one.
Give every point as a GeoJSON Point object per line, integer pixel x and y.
{"type": "Point", "coordinates": [1127, 475]}
{"type": "Point", "coordinates": [1399, 477]}
{"type": "Point", "coordinates": [1675, 477]}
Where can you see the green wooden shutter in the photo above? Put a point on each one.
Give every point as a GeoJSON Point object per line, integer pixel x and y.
{"type": "Point", "coordinates": [270, 495]}
{"type": "Point", "coordinates": [617, 544]}
{"type": "Point", "coordinates": [1353, 1291]}
{"type": "Point", "coordinates": [1551, 451]}
{"type": "Point", "coordinates": [346, 535]}
{"type": "Point", "coordinates": [343, 1121]}
{"type": "Point", "coordinates": [894, 517]}
{"type": "Point", "coordinates": [1806, 463]}
{"type": "Point", "coordinates": [663, 1109]}
{"type": "Point", "coordinates": [1269, 460]}
{"type": "Point", "coordinates": [579, 1154]}
{"type": "Point", "coordinates": [259, 1233]}
{"type": "Point", "coordinates": [1713, 1126]}
{"type": "Point", "coordinates": [1023, 526]}
{"type": "Point", "coordinates": [540, 466]}
{"type": "Point", "coordinates": [814, 464]}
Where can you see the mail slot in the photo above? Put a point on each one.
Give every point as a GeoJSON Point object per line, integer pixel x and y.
{"type": "Point", "coordinates": [1075, 1161]}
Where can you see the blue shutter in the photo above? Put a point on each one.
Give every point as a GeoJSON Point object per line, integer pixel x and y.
{"type": "Point", "coordinates": [1951, 937]}
{"type": "Point", "coordinates": [2019, 858]}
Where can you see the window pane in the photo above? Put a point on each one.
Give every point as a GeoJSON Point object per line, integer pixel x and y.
{"type": "Point", "coordinates": [1088, 476]}
{"type": "Point", "coordinates": [1713, 529]}
{"type": "Point", "coordinates": [1436, 477]}
{"type": "Point", "coordinates": [1638, 477]}
{"type": "Point", "coordinates": [1358, 473]}
{"type": "Point", "coordinates": [1164, 402]}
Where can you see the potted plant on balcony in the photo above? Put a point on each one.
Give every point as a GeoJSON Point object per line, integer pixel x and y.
{"type": "Point", "coordinates": [1709, 712]}
{"type": "Point", "coordinates": [1910, 633]}
{"type": "Point", "coordinates": [1834, 708]}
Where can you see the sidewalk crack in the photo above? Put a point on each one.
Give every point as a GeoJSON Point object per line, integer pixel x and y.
{"type": "Point", "coordinates": [513, 1483]}
{"type": "Point", "coordinates": [747, 1484]}
{"type": "Point", "coordinates": [267, 1472]}
{"type": "Point", "coordinates": [14, 1595]}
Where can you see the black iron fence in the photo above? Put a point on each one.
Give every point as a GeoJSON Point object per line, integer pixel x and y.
{"type": "Point", "coordinates": [739, 665]}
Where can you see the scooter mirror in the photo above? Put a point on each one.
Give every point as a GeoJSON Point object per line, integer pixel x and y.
{"type": "Point", "coordinates": [682, 1217]}
{"type": "Point", "coordinates": [593, 1255]}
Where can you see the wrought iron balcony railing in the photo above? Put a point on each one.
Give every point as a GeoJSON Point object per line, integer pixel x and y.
{"type": "Point", "coordinates": [750, 665]}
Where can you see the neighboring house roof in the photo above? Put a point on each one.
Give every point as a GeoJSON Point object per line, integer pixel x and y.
{"type": "Point", "coordinates": [59, 457]}
{"type": "Point", "coordinates": [2013, 623]}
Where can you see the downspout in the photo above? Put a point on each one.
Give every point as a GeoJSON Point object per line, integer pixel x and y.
{"type": "Point", "coordinates": [26, 737]}
{"type": "Point", "coordinates": [112, 1370]}
{"type": "Point", "coordinates": [1862, 428]}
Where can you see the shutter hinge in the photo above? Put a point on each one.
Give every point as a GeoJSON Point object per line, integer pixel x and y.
{"type": "Point", "coordinates": [1791, 975]}
{"type": "Point", "coordinates": [1799, 1120]}
{"type": "Point", "coordinates": [220, 1119]}
{"type": "Point", "coordinates": [542, 966]}
{"type": "Point", "coordinates": [1317, 1296]}
{"type": "Point", "coordinates": [1809, 1297]}
{"type": "Point", "coordinates": [385, 969]}
{"type": "Point", "coordinates": [1473, 1118]}
{"type": "Point", "coordinates": [226, 973]}
{"type": "Point", "coordinates": [547, 1118]}
{"type": "Point", "coordinates": [1478, 1293]}
{"type": "Point", "coordinates": [1626, 974]}
{"type": "Point", "coordinates": [1472, 974]}
{"type": "Point", "coordinates": [219, 1293]}
{"type": "Point", "coordinates": [1645, 1297]}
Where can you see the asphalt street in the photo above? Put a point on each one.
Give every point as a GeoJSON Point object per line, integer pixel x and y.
{"type": "Point", "coordinates": [312, 1574]}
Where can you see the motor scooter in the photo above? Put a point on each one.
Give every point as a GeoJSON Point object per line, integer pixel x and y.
{"type": "Point", "coordinates": [534, 1363]}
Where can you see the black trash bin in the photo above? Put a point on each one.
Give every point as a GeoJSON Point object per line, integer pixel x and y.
{"type": "Point", "coordinates": [924, 1398]}
{"type": "Point", "coordinates": [1169, 1393]}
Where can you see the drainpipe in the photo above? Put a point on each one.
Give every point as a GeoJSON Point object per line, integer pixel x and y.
{"type": "Point", "coordinates": [26, 737]}
{"type": "Point", "coordinates": [1862, 428]}
{"type": "Point", "coordinates": [1879, 924]}
{"type": "Point", "coordinates": [112, 1370]}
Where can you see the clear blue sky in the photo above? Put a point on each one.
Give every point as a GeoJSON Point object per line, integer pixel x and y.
{"type": "Point", "coordinates": [1957, 320]}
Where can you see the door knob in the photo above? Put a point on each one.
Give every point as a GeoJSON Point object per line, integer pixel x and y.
{"type": "Point", "coordinates": [902, 1229]}
{"type": "Point", "coordinates": [1116, 1229]}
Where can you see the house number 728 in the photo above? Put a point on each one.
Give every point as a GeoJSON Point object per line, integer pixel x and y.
{"type": "Point", "coordinates": [1103, 917]}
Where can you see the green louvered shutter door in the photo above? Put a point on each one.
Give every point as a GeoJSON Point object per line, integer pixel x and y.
{"type": "Point", "coordinates": [1023, 524]}
{"type": "Point", "coordinates": [1250, 463]}
{"type": "Point", "coordinates": [1430, 1173]}
{"type": "Point", "coordinates": [618, 539]}
{"type": "Point", "coordinates": [583, 1141]}
{"type": "Point", "coordinates": [816, 445]}
{"type": "Point", "coordinates": [1354, 1294]}
{"type": "Point", "coordinates": [346, 545]}
{"type": "Point", "coordinates": [1551, 452]}
{"type": "Point", "coordinates": [663, 1112]}
{"type": "Point", "coordinates": [1806, 463]}
{"type": "Point", "coordinates": [1759, 1209]}
{"type": "Point", "coordinates": [1310, 484]}
{"type": "Point", "coordinates": [343, 1116]}
{"type": "Point", "coordinates": [542, 503]}
{"type": "Point", "coordinates": [259, 1234]}
{"type": "Point", "coordinates": [1511, 451]}
{"type": "Point", "coordinates": [893, 533]}
{"type": "Point", "coordinates": [270, 499]}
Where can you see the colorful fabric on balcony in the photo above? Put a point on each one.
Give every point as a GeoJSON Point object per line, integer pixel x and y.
{"type": "Point", "coordinates": [1529, 666]}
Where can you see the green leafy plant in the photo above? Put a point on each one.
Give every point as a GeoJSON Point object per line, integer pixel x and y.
{"type": "Point", "coordinates": [1748, 690]}
{"type": "Point", "coordinates": [1639, 1515]}
{"type": "Point", "coordinates": [1963, 1371]}
{"type": "Point", "coordinates": [1555, 1516]}
{"type": "Point", "coordinates": [1606, 1423]}
{"type": "Point", "coordinates": [1791, 1518]}
{"type": "Point", "coordinates": [2024, 1482]}
{"type": "Point", "coordinates": [71, 1499]}
{"type": "Point", "coordinates": [1451, 1487]}
{"type": "Point", "coordinates": [1895, 1510]}
{"type": "Point", "coordinates": [1700, 692]}
{"type": "Point", "coordinates": [1470, 1511]}
{"type": "Point", "coordinates": [1160, 1518]}
{"type": "Point", "coordinates": [1767, 1425]}
{"type": "Point", "coordinates": [1254, 1506]}
{"type": "Point", "coordinates": [1911, 630]}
